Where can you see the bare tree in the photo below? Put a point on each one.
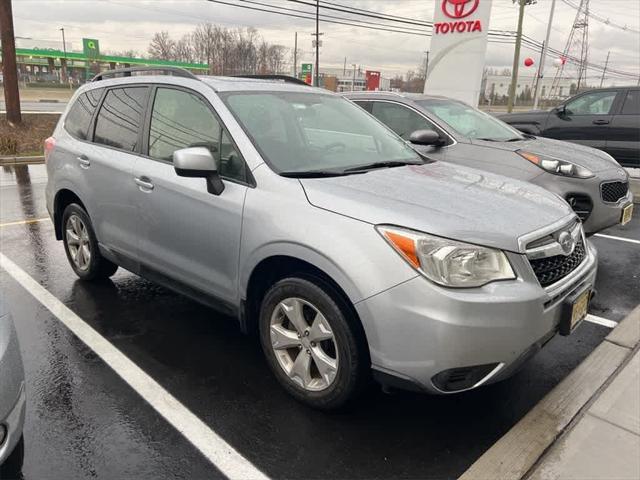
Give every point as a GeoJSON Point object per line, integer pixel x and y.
{"type": "Point", "coordinates": [162, 46]}
{"type": "Point", "coordinates": [225, 51]}
{"type": "Point", "coordinates": [183, 50]}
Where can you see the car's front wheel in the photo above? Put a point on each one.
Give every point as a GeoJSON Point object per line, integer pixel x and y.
{"type": "Point", "coordinates": [81, 245]}
{"type": "Point", "coordinates": [312, 343]}
{"type": "Point", "coordinates": [12, 466]}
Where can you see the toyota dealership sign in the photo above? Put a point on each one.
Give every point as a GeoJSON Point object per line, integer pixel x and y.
{"type": "Point", "coordinates": [458, 49]}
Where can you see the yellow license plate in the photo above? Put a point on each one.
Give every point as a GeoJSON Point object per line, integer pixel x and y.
{"type": "Point", "coordinates": [579, 309]}
{"type": "Point", "coordinates": [627, 213]}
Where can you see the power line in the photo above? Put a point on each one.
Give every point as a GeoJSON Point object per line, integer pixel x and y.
{"type": "Point", "coordinates": [602, 19]}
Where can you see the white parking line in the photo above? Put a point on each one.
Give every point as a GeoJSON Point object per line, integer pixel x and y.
{"type": "Point", "coordinates": [222, 455]}
{"type": "Point", "coordinates": [601, 321]}
{"type": "Point", "coordinates": [622, 239]}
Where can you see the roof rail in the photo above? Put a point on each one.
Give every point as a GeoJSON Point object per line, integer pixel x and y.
{"type": "Point", "coordinates": [283, 78]}
{"type": "Point", "coordinates": [126, 72]}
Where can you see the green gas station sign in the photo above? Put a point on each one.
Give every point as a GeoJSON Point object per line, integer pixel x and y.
{"type": "Point", "coordinates": [307, 69]}
{"type": "Point", "coordinates": [91, 47]}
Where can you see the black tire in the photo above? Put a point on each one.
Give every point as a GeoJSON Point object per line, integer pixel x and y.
{"type": "Point", "coordinates": [98, 268]}
{"type": "Point", "coordinates": [12, 466]}
{"type": "Point", "coordinates": [353, 369]}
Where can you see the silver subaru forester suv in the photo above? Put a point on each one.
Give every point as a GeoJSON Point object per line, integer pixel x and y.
{"type": "Point", "coordinates": [300, 214]}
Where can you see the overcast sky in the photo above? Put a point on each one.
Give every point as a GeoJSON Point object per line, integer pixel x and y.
{"type": "Point", "coordinates": [130, 24]}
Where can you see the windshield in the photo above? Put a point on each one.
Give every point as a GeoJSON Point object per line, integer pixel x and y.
{"type": "Point", "coordinates": [470, 122]}
{"type": "Point", "coordinates": [306, 132]}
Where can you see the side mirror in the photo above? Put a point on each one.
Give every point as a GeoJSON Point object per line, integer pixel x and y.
{"type": "Point", "coordinates": [197, 162]}
{"type": "Point", "coordinates": [560, 110]}
{"type": "Point", "coordinates": [425, 137]}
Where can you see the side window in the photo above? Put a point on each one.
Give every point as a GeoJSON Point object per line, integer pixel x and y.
{"type": "Point", "coordinates": [120, 117]}
{"type": "Point", "coordinates": [180, 120]}
{"type": "Point", "coordinates": [596, 103]}
{"type": "Point", "coordinates": [631, 103]}
{"type": "Point", "coordinates": [400, 119]}
{"type": "Point", "coordinates": [79, 116]}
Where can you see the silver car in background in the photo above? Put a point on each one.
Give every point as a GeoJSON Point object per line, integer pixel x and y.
{"type": "Point", "coordinates": [318, 228]}
{"type": "Point", "coordinates": [12, 397]}
{"type": "Point", "coordinates": [590, 180]}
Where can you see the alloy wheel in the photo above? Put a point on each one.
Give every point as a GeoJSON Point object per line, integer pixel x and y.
{"type": "Point", "coordinates": [304, 344]}
{"type": "Point", "coordinates": [78, 242]}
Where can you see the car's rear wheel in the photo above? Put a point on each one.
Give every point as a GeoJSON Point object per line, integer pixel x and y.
{"type": "Point", "coordinates": [312, 343]}
{"type": "Point", "coordinates": [81, 245]}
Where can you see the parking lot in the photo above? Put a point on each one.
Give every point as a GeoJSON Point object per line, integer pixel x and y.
{"type": "Point", "coordinates": [85, 420]}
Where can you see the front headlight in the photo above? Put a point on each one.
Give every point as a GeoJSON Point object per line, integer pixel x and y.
{"type": "Point", "coordinates": [448, 262]}
{"type": "Point", "coordinates": [556, 166]}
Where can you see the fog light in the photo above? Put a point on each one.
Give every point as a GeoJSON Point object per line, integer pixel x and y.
{"type": "Point", "coordinates": [3, 434]}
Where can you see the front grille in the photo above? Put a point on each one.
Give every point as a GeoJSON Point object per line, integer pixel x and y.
{"type": "Point", "coordinates": [614, 191]}
{"type": "Point", "coordinates": [551, 269]}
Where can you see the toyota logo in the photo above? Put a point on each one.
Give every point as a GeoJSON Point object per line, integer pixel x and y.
{"type": "Point", "coordinates": [459, 8]}
{"type": "Point", "coordinates": [567, 243]}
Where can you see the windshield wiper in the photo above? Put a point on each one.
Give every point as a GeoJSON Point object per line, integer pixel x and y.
{"type": "Point", "coordinates": [387, 164]}
{"type": "Point", "coordinates": [316, 173]}
{"type": "Point", "coordinates": [514, 139]}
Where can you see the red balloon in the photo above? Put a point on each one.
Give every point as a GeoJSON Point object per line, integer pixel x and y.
{"type": "Point", "coordinates": [528, 62]}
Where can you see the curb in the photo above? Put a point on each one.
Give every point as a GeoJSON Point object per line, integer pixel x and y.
{"type": "Point", "coordinates": [22, 160]}
{"type": "Point", "coordinates": [519, 450]}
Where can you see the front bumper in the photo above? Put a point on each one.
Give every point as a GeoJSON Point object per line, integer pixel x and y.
{"type": "Point", "coordinates": [14, 422]}
{"type": "Point", "coordinates": [603, 214]}
{"type": "Point", "coordinates": [418, 330]}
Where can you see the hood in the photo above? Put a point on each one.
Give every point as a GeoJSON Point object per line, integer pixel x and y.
{"type": "Point", "coordinates": [442, 199]}
{"type": "Point", "coordinates": [588, 157]}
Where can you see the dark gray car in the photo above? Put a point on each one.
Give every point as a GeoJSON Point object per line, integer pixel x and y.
{"type": "Point", "coordinates": [591, 181]}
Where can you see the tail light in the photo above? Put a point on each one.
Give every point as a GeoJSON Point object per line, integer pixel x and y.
{"type": "Point", "coordinates": [49, 145]}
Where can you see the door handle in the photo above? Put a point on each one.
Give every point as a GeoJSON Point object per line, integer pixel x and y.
{"type": "Point", "coordinates": [84, 161]}
{"type": "Point", "coordinates": [601, 122]}
{"type": "Point", "coordinates": [144, 183]}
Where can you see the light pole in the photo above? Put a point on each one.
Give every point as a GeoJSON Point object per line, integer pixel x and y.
{"type": "Point", "coordinates": [63, 62]}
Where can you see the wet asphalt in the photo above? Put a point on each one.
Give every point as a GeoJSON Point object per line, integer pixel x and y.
{"type": "Point", "coordinates": [83, 421]}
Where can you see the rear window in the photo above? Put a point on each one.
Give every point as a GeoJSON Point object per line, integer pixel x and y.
{"type": "Point", "coordinates": [119, 119]}
{"type": "Point", "coordinates": [81, 112]}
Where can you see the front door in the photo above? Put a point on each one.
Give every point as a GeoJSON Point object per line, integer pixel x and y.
{"type": "Point", "coordinates": [586, 119]}
{"type": "Point", "coordinates": [186, 233]}
{"type": "Point", "coordinates": [404, 121]}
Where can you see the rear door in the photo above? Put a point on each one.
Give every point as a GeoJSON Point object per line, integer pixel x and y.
{"type": "Point", "coordinates": [586, 119]}
{"type": "Point", "coordinates": [188, 234]}
{"type": "Point", "coordinates": [108, 163]}
{"type": "Point", "coordinates": [624, 138]}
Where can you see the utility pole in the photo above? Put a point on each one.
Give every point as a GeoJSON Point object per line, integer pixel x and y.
{"type": "Point", "coordinates": [516, 55]}
{"type": "Point", "coordinates": [63, 61]}
{"type": "Point", "coordinates": [426, 65]}
{"type": "Point", "coordinates": [353, 83]}
{"type": "Point", "coordinates": [606, 64]}
{"type": "Point", "coordinates": [344, 69]}
{"type": "Point", "coordinates": [543, 58]}
{"type": "Point", "coordinates": [295, 55]}
{"type": "Point", "coordinates": [9, 66]}
{"type": "Point", "coordinates": [317, 35]}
